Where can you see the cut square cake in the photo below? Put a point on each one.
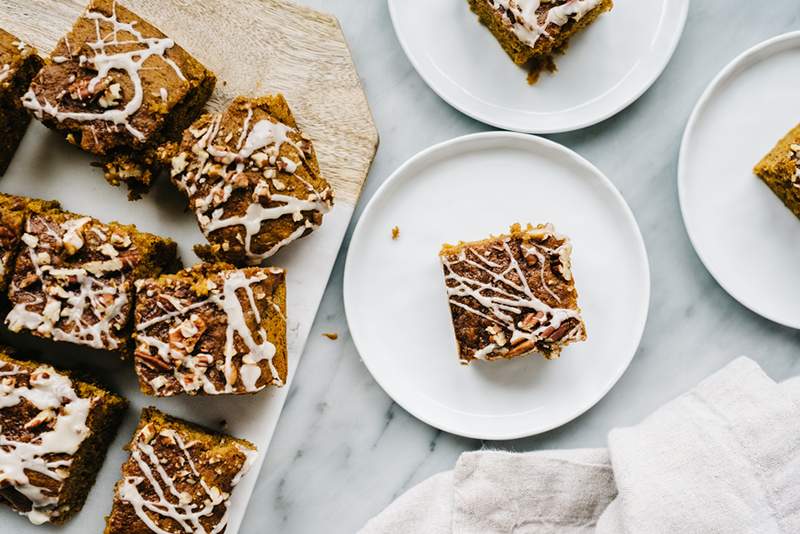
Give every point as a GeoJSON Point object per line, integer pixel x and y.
{"type": "Point", "coordinates": [178, 479]}
{"type": "Point", "coordinates": [252, 179]}
{"type": "Point", "coordinates": [54, 434]}
{"type": "Point", "coordinates": [18, 65]}
{"type": "Point", "coordinates": [780, 170]}
{"type": "Point", "coordinates": [532, 32]}
{"type": "Point", "coordinates": [212, 330]}
{"type": "Point", "coordinates": [73, 278]}
{"type": "Point", "coordinates": [117, 87]}
{"type": "Point", "coordinates": [513, 295]}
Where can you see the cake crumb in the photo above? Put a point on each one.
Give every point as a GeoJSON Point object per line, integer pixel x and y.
{"type": "Point", "coordinates": [331, 335]}
{"type": "Point", "coordinates": [395, 232]}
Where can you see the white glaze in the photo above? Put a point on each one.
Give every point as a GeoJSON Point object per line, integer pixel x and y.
{"type": "Point", "coordinates": [53, 394]}
{"type": "Point", "coordinates": [62, 313]}
{"type": "Point", "coordinates": [190, 370]}
{"type": "Point", "coordinates": [526, 25]}
{"type": "Point", "coordinates": [504, 298]}
{"type": "Point", "coordinates": [186, 510]}
{"type": "Point", "coordinates": [257, 151]}
{"type": "Point", "coordinates": [104, 61]}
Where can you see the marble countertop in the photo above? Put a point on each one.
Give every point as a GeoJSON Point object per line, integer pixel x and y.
{"type": "Point", "coordinates": [343, 450]}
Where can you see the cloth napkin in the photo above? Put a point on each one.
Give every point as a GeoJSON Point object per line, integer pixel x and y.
{"type": "Point", "coordinates": [722, 458]}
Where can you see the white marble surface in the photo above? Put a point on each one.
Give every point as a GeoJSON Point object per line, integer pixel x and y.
{"type": "Point", "coordinates": [343, 450]}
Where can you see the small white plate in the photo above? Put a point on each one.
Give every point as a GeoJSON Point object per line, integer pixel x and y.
{"type": "Point", "coordinates": [466, 189]}
{"type": "Point", "coordinates": [606, 68]}
{"type": "Point", "coordinates": [742, 232]}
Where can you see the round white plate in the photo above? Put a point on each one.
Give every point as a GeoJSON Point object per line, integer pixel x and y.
{"type": "Point", "coordinates": [742, 232]}
{"type": "Point", "coordinates": [605, 68]}
{"type": "Point", "coordinates": [467, 189]}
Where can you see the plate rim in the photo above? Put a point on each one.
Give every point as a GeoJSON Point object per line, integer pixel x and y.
{"type": "Point", "coordinates": [712, 88]}
{"type": "Point", "coordinates": [565, 127]}
{"type": "Point", "coordinates": [641, 253]}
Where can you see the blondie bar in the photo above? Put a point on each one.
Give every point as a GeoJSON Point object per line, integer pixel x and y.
{"type": "Point", "coordinates": [73, 278]}
{"type": "Point", "coordinates": [780, 170]}
{"type": "Point", "coordinates": [54, 433]}
{"type": "Point", "coordinates": [178, 479]}
{"type": "Point", "coordinates": [513, 295]}
{"type": "Point", "coordinates": [532, 32]}
{"type": "Point", "coordinates": [117, 87]}
{"type": "Point", "coordinates": [14, 212]}
{"type": "Point", "coordinates": [211, 329]}
{"type": "Point", "coordinates": [18, 65]}
{"type": "Point", "coordinates": [252, 179]}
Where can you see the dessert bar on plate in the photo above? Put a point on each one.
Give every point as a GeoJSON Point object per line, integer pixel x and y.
{"type": "Point", "coordinates": [532, 32]}
{"type": "Point", "coordinates": [513, 295]}
{"type": "Point", "coordinates": [117, 87]}
{"type": "Point", "coordinates": [18, 65]}
{"type": "Point", "coordinates": [178, 479]}
{"type": "Point", "coordinates": [73, 277]}
{"type": "Point", "coordinates": [211, 329]}
{"type": "Point", "coordinates": [54, 433]}
{"type": "Point", "coordinates": [252, 179]}
{"type": "Point", "coordinates": [780, 170]}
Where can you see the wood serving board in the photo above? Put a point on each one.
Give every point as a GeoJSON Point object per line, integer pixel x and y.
{"type": "Point", "coordinates": [254, 47]}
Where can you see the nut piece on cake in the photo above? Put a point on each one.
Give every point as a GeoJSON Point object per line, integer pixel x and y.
{"type": "Point", "coordinates": [14, 212]}
{"type": "Point", "coordinates": [178, 479]}
{"type": "Point", "coordinates": [73, 278]}
{"type": "Point", "coordinates": [54, 433]}
{"type": "Point", "coordinates": [118, 87]}
{"type": "Point", "coordinates": [252, 179]}
{"type": "Point", "coordinates": [212, 330]}
{"type": "Point", "coordinates": [513, 295]}
{"type": "Point", "coordinates": [780, 170]}
{"type": "Point", "coordinates": [18, 65]}
{"type": "Point", "coordinates": [532, 32]}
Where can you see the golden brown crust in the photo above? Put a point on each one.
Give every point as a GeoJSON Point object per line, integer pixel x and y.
{"type": "Point", "coordinates": [17, 423]}
{"type": "Point", "coordinates": [540, 57]}
{"type": "Point", "coordinates": [184, 324]}
{"type": "Point", "coordinates": [780, 168]}
{"type": "Point", "coordinates": [187, 454]}
{"type": "Point", "coordinates": [169, 85]}
{"type": "Point", "coordinates": [512, 295]}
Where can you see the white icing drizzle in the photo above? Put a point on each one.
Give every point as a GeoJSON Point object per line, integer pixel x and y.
{"type": "Point", "coordinates": [506, 297]}
{"type": "Point", "coordinates": [523, 18]}
{"type": "Point", "coordinates": [5, 72]}
{"type": "Point", "coordinates": [65, 415]}
{"type": "Point", "coordinates": [104, 61]}
{"type": "Point", "coordinates": [82, 312]}
{"type": "Point", "coordinates": [257, 152]}
{"type": "Point", "coordinates": [191, 370]}
{"type": "Point", "coordinates": [183, 508]}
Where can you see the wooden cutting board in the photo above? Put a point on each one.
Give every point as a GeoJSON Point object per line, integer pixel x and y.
{"type": "Point", "coordinates": [254, 47]}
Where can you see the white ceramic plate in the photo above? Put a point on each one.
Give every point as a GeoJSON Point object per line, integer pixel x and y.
{"type": "Point", "coordinates": [466, 189]}
{"type": "Point", "coordinates": [606, 67]}
{"type": "Point", "coordinates": [742, 232]}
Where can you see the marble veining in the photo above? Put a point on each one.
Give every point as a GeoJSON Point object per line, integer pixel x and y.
{"type": "Point", "coordinates": [342, 450]}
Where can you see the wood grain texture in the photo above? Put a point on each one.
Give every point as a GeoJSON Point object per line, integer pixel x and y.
{"type": "Point", "coordinates": [254, 47]}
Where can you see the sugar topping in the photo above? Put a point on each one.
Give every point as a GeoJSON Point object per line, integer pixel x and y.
{"type": "Point", "coordinates": [164, 498]}
{"type": "Point", "coordinates": [121, 49]}
{"type": "Point", "coordinates": [57, 430]}
{"type": "Point", "coordinates": [508, 295]}
{"type": "Point", "coordinates": [190, 369]}
{"type": "Point", "coordinates": [524, 18]}
{"type": "Point", "coordinates": [84, 304]}
{"type": "Point", "coordinates": [219, 171]}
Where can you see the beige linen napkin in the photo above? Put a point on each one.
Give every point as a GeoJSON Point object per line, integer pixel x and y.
{"type": "Point", "coordinates": [722, 458]}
